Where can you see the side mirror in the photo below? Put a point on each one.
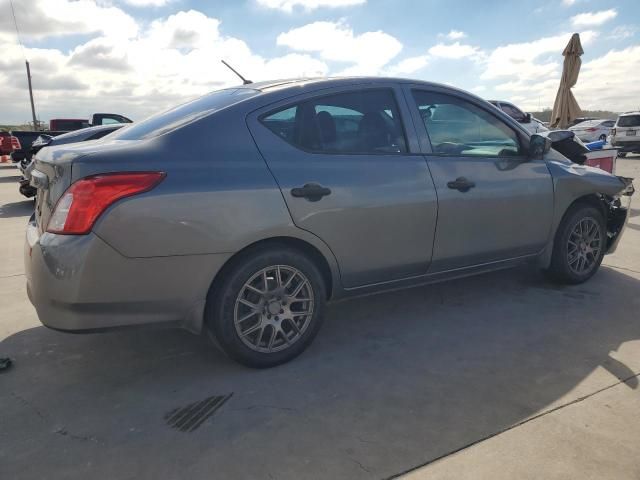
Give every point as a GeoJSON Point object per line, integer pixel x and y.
{"type": "Point", "coordinates": [538, 146]}
{"type": "Point", "coordinates": [527, 118]}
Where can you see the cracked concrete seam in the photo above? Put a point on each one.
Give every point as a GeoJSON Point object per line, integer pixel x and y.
{"type": "Point", "coordinates": [12, 275]}
{"type": "Point", "coordinates": [621, 268]}
{"type": "Point", "coordinates": [514, 426]}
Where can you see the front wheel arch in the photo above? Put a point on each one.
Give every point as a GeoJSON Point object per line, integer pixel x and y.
{"type": "Point", "coordinates": [593, 200]}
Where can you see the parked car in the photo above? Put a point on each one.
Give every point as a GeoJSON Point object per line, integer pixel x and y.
{"type": "Point", "coordinates": [532, 124]}
{"type": "Point", "coordinates": [592, 130]}
{"type": "Point", "coordinates": [71, 124]}
{"type": "Point", "coordinates": [243, 212]}
{"type": "Point", "coordinates": [26, 165]}
{"type": "Point", "coordinates": [21, 141]}
{"type": "Point", "coordinates": [625, 136]}
{"type": "Point", "coordinates": [580, 120]}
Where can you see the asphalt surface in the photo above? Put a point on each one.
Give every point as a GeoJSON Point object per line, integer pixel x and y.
{"type": "Point", "coordinates": [497, 376]}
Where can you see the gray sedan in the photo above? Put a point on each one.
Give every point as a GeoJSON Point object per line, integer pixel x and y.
{"type": "Point", "coordinates": [243, 212]}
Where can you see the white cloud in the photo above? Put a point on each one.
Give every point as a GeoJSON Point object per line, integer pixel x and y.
{"type": "Point", "coordinates": [408, 65]}
{"type": "Point", "coordinates": [529, 61]}
{"type": "Point", "coordinates": [289, 5]}
{"type": "Point", "coordinates": [43, 18]}
{"type": "Point", "coordinates": [589, 19]}
{"type": "Point", "coordinates": [622, 32]}
{"type": "Point", "coordinates": [606, 82]}
{"type": "Point", "coordinates": [568, 3]}
{"type": "Point", "coordinates": [147, 3]}
{"type": "Point", "coordinates": [453, 35]}
{"type": "Point", "coordinates": [169, 61]}
{"type": "Point", "coordinates": [336, 41]}
{"type": "Point", "coordinates": [455, 51]}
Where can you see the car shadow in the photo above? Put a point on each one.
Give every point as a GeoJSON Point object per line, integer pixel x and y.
{"type": "Point", "coordinates": [391, 382]}
{"type": "Point", "coordinates": [10, 179]}
{"type": "Point", "coordinates": [16, 209]}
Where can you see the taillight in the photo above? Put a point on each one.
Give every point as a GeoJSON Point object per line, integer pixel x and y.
{"type": "Point", "coordinates": [613, 132]}
{"type": "Point", "coordinates": [85, 200]}
{"type": "Point", "coordinates": [15, 143]}
{"type": "Point", "coordinates": [592, 129]}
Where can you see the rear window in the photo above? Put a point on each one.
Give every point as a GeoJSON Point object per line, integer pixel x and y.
{"type": "Point", "coordinates": [629, 121]}
{"type": "Point", "coordinates": [183, 114]}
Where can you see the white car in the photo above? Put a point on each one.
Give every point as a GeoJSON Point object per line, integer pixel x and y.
{"type": "Point", "coordinates": [593, 130]}
{"type": "Point", "coordinates": [625, 136]}
{"type": "Point", "coordinates": [533, 125]}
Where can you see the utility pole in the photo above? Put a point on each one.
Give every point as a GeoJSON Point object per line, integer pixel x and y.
{"type": "Point", "coordinates": [33, 108]}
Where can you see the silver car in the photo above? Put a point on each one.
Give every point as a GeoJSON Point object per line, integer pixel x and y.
{"type": "Point", "coordinates": [242, 213]}
{"type": "Point", "coordinates": [593, 130]}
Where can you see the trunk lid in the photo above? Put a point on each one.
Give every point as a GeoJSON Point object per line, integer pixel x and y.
{"type": "Point", "coordinates": [51, 176]}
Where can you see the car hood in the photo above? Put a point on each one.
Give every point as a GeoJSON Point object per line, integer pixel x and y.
{"type": "Point", "coordinates": [590, 179]}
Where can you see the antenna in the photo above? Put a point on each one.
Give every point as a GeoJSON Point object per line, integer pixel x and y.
{"type": "Point", "coordinates": [244, 80]}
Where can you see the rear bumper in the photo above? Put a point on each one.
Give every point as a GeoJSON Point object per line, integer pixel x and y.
{"type": "Point", "coordinates": [81, 284]}
{"type": "Point", "coordinates": [626, 147]}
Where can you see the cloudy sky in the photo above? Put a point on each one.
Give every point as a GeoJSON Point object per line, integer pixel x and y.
{"type": "Point", "coordinates": [136, 57]}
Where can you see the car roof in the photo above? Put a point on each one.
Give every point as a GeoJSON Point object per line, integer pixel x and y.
{"type": "Point", "coordinates": [270, 85]}
{"type": "Point", "coordinates": [629, 113]}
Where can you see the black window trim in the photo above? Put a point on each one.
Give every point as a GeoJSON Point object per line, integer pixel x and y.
{"type": "Point", "coordinates": [329, 93]}
{"type": "Point", "coordinates": [522, 140]}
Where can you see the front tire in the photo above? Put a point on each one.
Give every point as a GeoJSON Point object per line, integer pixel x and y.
{"type": "Point", "coordinates": [579, 245]}
{"type": "Point", "coordinates": [268, 308]}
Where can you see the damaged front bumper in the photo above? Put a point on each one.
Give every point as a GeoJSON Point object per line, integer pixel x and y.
{"type": "Point", "coordinates": [618, 214]}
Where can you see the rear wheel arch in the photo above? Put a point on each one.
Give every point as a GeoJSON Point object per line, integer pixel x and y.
{"type": "Point", "coordinates": [299, 245]}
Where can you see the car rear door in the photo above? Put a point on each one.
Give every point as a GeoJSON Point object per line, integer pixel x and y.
{"type": "Point", "coordinates": [494, 203]}
{"type": "Point", "coordinates": [349, 167]}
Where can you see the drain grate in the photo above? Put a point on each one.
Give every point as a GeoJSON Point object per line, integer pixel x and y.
{"type": "Point", "coordinates": [190, 417]}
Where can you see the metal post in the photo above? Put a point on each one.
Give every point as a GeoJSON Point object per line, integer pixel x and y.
{"type": "Point", "coordinates": [33, 108]}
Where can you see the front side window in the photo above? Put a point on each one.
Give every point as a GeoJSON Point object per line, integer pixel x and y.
{"type": "Point", "coordinates": [355, 122]}
{"type": "Point", "coordinates": [458, 127]}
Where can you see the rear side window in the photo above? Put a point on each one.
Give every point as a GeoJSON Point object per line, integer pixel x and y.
{"type": "Point", "coordinates": [183, 114]}
{"type": "Point", "coordinates": [457, 127]}
{"type": "Point", "coordinates": [608, 123]}
{"type": "Point", "coordinates": [629, 121]}
{"type": "Point", "coordinates": [355, 122]}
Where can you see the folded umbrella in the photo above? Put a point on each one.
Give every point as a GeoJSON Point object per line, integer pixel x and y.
{"type": "Point", "coordinates": [566, 108]}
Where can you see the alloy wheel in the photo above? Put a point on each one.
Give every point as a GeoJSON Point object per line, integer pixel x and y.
{"type": "Point", "coordinates": [274, 308]}
{"type": "Point", "coordinates": [584, 245]}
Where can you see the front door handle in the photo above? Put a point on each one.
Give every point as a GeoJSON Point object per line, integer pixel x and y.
{"type": "Point", "coordinates": [311, 191]}
{"type": "Point", "coordinates": [461, 184]}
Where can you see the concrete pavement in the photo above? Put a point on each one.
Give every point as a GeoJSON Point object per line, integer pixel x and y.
{"type": "Point", "coordinates": [392, 383]}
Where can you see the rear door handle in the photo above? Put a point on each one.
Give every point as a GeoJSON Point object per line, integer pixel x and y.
{"type": "Point", "coordinates": [461, 184]}
{"type": "Point", "coordinates": [311, 191]}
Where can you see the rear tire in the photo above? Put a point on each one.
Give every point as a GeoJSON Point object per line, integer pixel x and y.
{"type": "Point", "coordinates": [579, 245]}
{"type": "Point", "coordinates": [603, 138]}
{"type": "Point", "coordinates": [268, 308]}
{"type": "Point", "coordinates": [622, 154]}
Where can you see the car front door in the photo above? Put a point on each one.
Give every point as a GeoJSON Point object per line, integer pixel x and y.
{"type": "Point", "coordinates": [348, 175]}
{"type": "Point", "coordinates": [494, 203]}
